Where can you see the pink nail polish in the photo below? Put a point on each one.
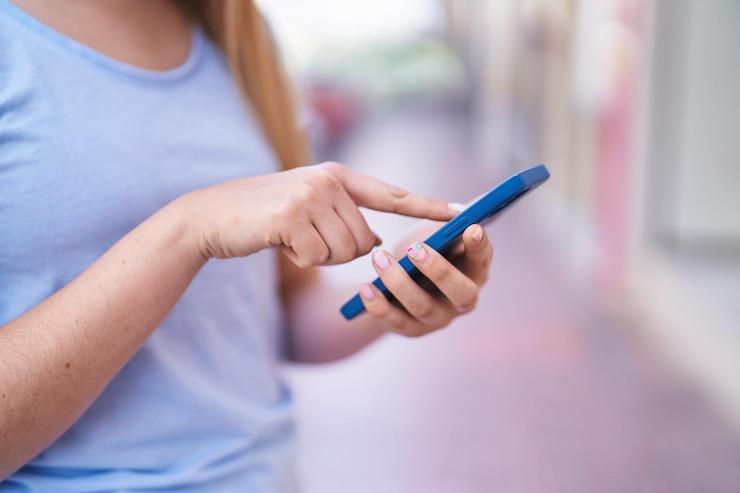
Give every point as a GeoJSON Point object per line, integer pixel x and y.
{"type": "Point", "coordinates": [380, 259]}
{"type": "Point", "coordinates": [417, 252]}
{"type": "Point", "coordinates": [477, 233]}
{"type": "Point", "coordinates": [367, 292]}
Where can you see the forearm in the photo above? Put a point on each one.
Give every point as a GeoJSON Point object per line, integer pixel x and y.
{"type": "Point", "coordinates": [56, 358]}
{"type": "Point", "coordinates": [317, 331]}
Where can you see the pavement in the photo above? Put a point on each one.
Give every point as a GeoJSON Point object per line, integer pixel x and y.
{"type": "Point", "coordinates": [540, 390]}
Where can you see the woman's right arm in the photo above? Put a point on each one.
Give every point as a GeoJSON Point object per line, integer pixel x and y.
{"type": "Point", "coordinates": [57, 358]}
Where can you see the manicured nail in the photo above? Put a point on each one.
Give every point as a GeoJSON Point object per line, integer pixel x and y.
{"type": "Point", "coordinates": [417, 252]}
{"type": "Point", "coordinates": [367, 292]}
{"type": "Point", "coordinates": [477, 234]}
{"type": "Point", "coordinates": [380, 259]}
{"type": "Point", "coordinates": [457, 206]}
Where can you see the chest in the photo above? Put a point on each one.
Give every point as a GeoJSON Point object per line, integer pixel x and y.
{"type": "Point", "coordinates": [85, 159]}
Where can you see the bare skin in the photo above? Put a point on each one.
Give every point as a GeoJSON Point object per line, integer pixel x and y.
{"type": "Point", "coordinates": [152, 34]}
{"type": "Point", "coordinates": [57, 358]}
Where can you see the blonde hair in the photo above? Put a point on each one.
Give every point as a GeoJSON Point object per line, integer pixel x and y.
{"type": "Point", "coordinates": [239, 29]}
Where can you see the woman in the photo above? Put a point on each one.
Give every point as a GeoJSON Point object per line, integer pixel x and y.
{"type": "Point", "coordinates": [129, 359]}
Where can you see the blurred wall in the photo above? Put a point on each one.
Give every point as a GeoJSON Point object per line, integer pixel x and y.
{"type": "Point", "coordinates": [695, 129]}
{"type": "Point", "coordinates": [634, 107]}
{"type": "Point", "coordinates": [684, 256]}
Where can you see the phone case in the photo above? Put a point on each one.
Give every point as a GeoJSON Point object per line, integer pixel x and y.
{"type": "Point", "coordinates": [481, 212]}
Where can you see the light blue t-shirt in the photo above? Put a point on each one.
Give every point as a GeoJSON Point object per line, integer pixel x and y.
{"type": "Point", "coordinates": [89, 148]}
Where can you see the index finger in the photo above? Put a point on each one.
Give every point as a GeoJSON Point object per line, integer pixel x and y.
{"type": "Point", "coordinates": [375, 194]}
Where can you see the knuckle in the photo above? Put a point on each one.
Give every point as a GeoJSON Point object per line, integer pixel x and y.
{"type": "Point", "coordinates": [344, 252]}
{"type": "Point", "coordinates": [320, 255]}
{"type": "Point", "coordinates": [398, 192]}
{"type": "Point", "coordinates": [365, 247]}
{"type": "Point", "coordinates": [323, 179]}
{"type": "Point", "coordinates": [469, 301]}
{"type": "Point", "coordinates": [295, 204]}
{"type": "Point", "coordinates": [378, 310]}
{"type": "Point", "coordinates": [424, 310]}
{"type": "Point", "coordinates": [333, 167]}
{"type": "Point", "coordinates": [342, 256]}
{"type": "Point", "coordinates": [366, 242]}
{"type": "Point", "coordinates": [352, 249]}
{"type": "Point", "coordinates": [312, 255]}
{"type": "Point", "coordinates": [309, 193]}
{"type": "Point", "coordinates": [440, 273]}
{"type": "Point", "coordinates": [395, 280]}
{"type": "Point", "coordinates": [399, 197]}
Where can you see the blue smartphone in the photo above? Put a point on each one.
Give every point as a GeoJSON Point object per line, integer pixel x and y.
{"type": "Point", "coordinates": [481, 212]}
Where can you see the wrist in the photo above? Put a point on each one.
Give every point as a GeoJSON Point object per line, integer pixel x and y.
{"type": "Point", "coordinates": [186, 228]}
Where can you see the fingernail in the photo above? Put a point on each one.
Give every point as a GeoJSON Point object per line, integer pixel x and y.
{"type": "Point", "coordinates": [417, 252]}
{"type": "Point", "coordinates": [380, 259]}
{"type": "Point", "coordinates": [367, 292]}
{"type": "Point", "coordinates": [378, 241]}
{"type": "Point", "coordinates": [457, 206]}
{"type": "Point", "coordinates": [477, 233]}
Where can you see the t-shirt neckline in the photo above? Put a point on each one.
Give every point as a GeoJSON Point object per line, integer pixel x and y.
{"type": "Point", "coordinates": [104, 61]}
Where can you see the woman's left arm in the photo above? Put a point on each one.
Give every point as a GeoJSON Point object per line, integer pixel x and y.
{"type": "Point", "coordinates": [318, 333]}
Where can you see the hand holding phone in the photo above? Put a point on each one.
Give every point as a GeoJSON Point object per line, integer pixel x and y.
{"type": "Point", "coordinates": [481, 212]}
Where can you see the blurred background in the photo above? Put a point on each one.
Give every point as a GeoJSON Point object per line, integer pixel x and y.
{"type": "Point", "coordinates": [605, 352]}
